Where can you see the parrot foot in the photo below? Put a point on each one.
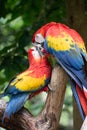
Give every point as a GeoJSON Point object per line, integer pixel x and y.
{"type": "Point", "coordinates": [50, 88]}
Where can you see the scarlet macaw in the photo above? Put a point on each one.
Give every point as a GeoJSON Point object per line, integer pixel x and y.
{"type": "Point", "coordinates": [29, 83]}
{"type": "Point", "coordinates": [68, 48]}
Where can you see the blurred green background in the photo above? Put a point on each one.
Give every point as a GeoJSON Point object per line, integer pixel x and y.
{"type": "Point", "coordinates": [19, 19]}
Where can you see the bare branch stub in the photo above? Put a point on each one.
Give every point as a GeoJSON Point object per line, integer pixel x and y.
{"type": "Point", "coordinates": [49, 118]}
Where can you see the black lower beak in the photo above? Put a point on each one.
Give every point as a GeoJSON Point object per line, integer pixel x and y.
{"type": "Point", "coordinates": [40, 52]}
{"type": "Point", "coordinates": [39, 48]}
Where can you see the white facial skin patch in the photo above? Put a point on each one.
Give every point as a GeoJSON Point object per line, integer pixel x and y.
{"type": "Point", "coordinates": [35, 53]}
{"type": "Point", "coordinates": [39, 38]}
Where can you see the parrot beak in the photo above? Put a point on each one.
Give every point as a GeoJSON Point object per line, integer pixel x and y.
{"type": "Point", "coordinates": [40, 52]}
{"type": "Point", "coordinates": [39, 48]}
{"type": "Point", "coordinates": [39, 43]}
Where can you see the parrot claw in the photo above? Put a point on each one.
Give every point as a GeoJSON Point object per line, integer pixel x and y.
{"type": "Point", "coordinates": [50, 88]}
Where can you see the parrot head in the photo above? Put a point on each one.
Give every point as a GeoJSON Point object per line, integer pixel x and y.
{"type": "Point", "coordinates": [55, 30]}
{"type": "Point", "coordinates": [39, 36]}
{"type": "Point", "coordinates": [36, 56]}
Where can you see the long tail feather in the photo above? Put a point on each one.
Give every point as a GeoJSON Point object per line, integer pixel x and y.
{"type": "Point", "coordinates": [85, 91]}
{"type": "Point", "coordinates": [82, 98]}
{"type": "Point", "coordinates": [77, 75]}
{"type": "Point", "coordinates": [77, 93]}
{"type": "Point", "coordinates": [15, 104]}
{"type": "Point", "coordinates": [79, 87]}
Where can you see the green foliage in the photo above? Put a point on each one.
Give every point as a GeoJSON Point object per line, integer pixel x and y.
{"type": "Point", "coordinates": [36, 104]}
{"type": "Point", "coordinates": [85, 4]}
{"type": "Point", "coordinates": [19, 19]}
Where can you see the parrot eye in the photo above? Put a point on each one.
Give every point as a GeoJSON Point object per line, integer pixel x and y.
{"type": "Point", "coordinates": [39, 39]}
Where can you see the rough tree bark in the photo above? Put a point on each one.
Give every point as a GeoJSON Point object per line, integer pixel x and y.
{"type": "Point", "coordinates": [49, 117]}
{"type": "Point", "coordinates": [84, 125]}
{"type": "Point", "coordinates": [77, 20]}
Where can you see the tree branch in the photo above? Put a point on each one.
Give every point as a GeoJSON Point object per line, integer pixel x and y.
{"type": "Point", "coordinates": [84, 125]}
{"type": "Point", "coordinates": [50, 116]}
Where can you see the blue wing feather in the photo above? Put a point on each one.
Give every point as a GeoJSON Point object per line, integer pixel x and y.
{"type": "Point", "coordinates": [73, 65]}
{"type": "Point", "coordinates": [11, 89]}
{"type": "Point", "coordinates": [15, 104]}
{"type": "Point", "coordinates": [72, 62]}
{"type": "Point", "coordinates": [73, 86]}
{"type": "Point", "coordinates": [72, 58]}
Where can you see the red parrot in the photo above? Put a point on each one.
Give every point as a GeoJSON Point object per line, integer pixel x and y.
{"type": "Point", "coordinates": [67, 47]}
{"type": "Point", "coordinates": [29, 83]}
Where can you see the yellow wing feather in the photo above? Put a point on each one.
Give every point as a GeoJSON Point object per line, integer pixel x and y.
{"type": "Point", "coordinates": [23, 82]}
{"type": "Point", "coordinates": [59, 43]}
